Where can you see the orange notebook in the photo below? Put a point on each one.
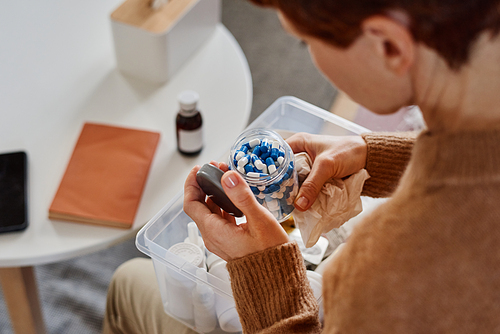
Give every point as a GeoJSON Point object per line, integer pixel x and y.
{"type": "Point", "coordinates": [105, 177]}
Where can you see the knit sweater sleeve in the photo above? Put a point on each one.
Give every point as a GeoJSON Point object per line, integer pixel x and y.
{"type": "Point", "coordinates": [272, 292]}
{"type": "Point", "coordinates": [387, 158]}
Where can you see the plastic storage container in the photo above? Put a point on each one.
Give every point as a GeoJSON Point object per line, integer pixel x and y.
{"type": "Point", "coordinates": [286, 116]}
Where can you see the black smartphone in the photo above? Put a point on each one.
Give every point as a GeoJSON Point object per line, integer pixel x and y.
{"type": "Point", "coordinates": [13, 191]}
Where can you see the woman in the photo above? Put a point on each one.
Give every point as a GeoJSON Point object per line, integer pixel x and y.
{"type": "Point", "coordinates": [427, 260]}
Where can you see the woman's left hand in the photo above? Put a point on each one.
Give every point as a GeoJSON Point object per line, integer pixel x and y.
{"type": "Point", "coordinates": [219, 230]}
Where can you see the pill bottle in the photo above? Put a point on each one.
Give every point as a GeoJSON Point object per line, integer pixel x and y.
{"type": "Point", "coordinates": [189, 124]}
{"type": "Point", "coordinates": [275, 185]}
{"type": "Point", "coordinates": [205, 318]}
{"type": "Point", "coordinates": [225, 308]}
{"type": "Point", "coordinates": [178, 286]}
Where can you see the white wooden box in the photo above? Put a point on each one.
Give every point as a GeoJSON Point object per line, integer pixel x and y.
{"type": "Point", "coordinates": [153, 44]}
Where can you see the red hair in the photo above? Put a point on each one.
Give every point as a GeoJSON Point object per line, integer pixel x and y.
{"type": "Point", "coordinates": [448, 26]}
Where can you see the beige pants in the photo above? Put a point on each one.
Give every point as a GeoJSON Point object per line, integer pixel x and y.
{"type": "Point", "coordinates": [134, 302]}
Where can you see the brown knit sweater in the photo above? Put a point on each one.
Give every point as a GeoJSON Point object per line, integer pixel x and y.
{"type": "Point", "coordinates": [426, 261]}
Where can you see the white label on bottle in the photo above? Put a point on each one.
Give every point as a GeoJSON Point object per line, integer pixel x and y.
{"type": "Point", "coordinates": [191, 140]}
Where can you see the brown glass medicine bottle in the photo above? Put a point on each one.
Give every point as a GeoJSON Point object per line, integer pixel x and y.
{"type": "Point", "coordinates": [189, 124]}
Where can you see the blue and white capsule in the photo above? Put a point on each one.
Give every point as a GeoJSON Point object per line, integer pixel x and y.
{"type": "Point", "coordinates": [254, 142]}
{"type": "Point", "coordinates": [239, 155]}
{"type": "Point", "coordinates": [255, 174]}
{"type": "Point", "coordinates": [243, 161]}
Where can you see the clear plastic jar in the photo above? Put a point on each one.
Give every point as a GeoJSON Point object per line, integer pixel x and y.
{"type": "Point", "coordinates": [274, 187]}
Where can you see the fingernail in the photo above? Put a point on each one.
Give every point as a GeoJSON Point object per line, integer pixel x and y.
{"type": "Point", "coordinates": [302, 202]}
{"type": "Point", "coordinates": [231, 181]}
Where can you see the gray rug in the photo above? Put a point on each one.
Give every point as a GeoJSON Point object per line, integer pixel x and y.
{"type": "Point", "coordinates": [73, 292]}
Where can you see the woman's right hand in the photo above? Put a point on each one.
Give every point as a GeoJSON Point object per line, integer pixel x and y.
{"type": "Point", "coordinates": [332, 156]}
{"type": "Point", "coordinates": [218, 228]}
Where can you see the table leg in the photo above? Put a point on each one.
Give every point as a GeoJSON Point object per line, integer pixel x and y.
{"type": "Point", "coordinates": [21, 296]}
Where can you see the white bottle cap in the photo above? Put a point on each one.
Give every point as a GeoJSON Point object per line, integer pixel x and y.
{"type": "Point", "coordinates": [188, 100]}
{"type": "Point", "coordinates": [189, 252]}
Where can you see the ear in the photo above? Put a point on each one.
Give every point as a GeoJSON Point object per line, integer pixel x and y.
{"type": "Point", "coordinates": [392, 41]}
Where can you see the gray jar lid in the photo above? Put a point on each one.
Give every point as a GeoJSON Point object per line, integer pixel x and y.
{"type": "Point", "coordinates": [209, 179]}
